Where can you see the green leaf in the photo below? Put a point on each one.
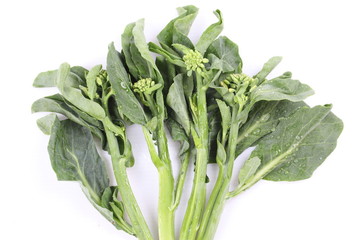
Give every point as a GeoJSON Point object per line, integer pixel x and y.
{"type": "Point", "coordinates": [125, 98]}
{"type": "Point", "coordinates": [170, 57]}
{"type": "Point", "coordinates": [210, 34]}
{"type": "Point", "coordinates": [91, 81]}
{"type": "Point", "coordinates": [57, 104]}
{"type": "Point", "coordinates": [48, 79]}
{"type": "Point", "coordinates": [140, 43]}
{"type": "Point", "coordinates": [223, 55]}
{"type": "Point", "coordinates": [299, 144]}
{"type": "Point", "coordinates": [45, 123]}
{"type": "Point", "coordinates": [225, 116]}
{"type": "Point", "coordinates": [107, 213]}
{"type": "Point", "coordinates": [75, 96]}
{"type": "Point", "coordinates": [167, 71]}
{"type": "Point", "coordinates": [177, 133]}
{"type": "Point", "coordinates": [214, 129]}
{"type": "Point", "coordinates": [263, 119]}
{"type": "Point", "coordinates": [176, 30]}
{"type": "Point", "coordinates": [74, 157]}
{"type": "Point", "coordinates": [176, 101]}
{"type": "Point", "coordinates": [267, 68]}
{"type": "Point", "coordinates": [281, 89]}
{"type": "Point", "coordinates": [81, 72]}
{"type": "Point", "coordinates": [138, 66]}
{"type": "Point", "coordinates": [220, 154]}
{"type": "Point", "coordinates": [248, 169]}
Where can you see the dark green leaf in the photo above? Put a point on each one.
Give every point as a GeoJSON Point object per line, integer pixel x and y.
{"type": "Point", "coordinates": [178, 134]}
{"type": "Point", "coordinates": [223, 55]}
{"type": "Point", "coordinates": [263, 120]}
{"type": "Point", "coordinates": [176, 30]}
{"type": "Point", "coordinates": [45, 123]}
{"type": "Point", "coordinates": [75, 96]}
{"type": "Point", "coordinates": [281, 89]}
{"type": "Point", "coordinates": [299, 144]}
{"type": "Point", "coordinates": [74, 157]}
{"type": "Point", "coordinates": [210, 34]}
{"type": "Point", "coordinates": [267, 68]}
{"type": "Point", "coordinates": [57, 104]}
{"type": "Point", "coordinates": [176, 101]}
{"type": "Point", "coordinates": [125, 98]}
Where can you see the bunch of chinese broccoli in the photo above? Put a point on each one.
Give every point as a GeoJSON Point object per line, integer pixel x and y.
{"type": "Point", "coordinates": [199, 93]}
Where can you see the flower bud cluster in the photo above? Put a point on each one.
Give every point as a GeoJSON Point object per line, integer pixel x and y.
{"type": "Point", "coordinates": [102, 77]}
{"type": "Point", "coordinates": [241, 85]}
{"type": "Point", "coordinates": [143, 85]}
{"type": "Point", "coordinates": [194, 61]}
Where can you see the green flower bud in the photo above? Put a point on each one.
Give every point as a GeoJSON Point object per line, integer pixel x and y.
{"type": "Point", "coordinates": [194, 61]}
{"type": "Point", "coordinates": [143, 85]}
{"type": "Point", "coordinates": [102, 77]}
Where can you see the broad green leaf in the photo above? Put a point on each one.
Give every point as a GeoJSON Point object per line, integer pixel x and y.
{"type": "Point", "coordinates": [125, 98]}
{"type": "Point", "coordinates": [176, 101]}
{"type": "Point", "coordinates": [210, 34]}
{"type": "Point", "coordinates": [45, 123]}
{"type": "Point", "coordinates": [299, 144]}
{"type": "Point", "coordinates": [126, 41]}
{"type": "Point", "coordinates": [225, 117]}
{"type": "Point", "coordinates": [91, 81]}
{"type": "Point", "coordinates": [267, 68]}
{"type": "Point", "coordinates": [141, 44]}
{"type": "Point", "coordinates": [138, 66]}
{"type": "Point", "coordinates": [48, 79]}
{"type": "Point", "coordinates": [262, 120]}
{"type": "Point", "coordinates": [248, 169]}
{"type": "Point", "coordinates": [74, 157]}
{"type": "Point", "coordinates": [74, 96]}
{"type": "Point", "coordinates": [223, 55]}
{"type": "Point", "coordinates": [57, 104]}
{"type": "Point", "coordinates": [176, 30]}
{"type": "Point", "coordinates": [281, 89]}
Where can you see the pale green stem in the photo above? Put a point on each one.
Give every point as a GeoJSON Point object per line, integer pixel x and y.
{"type": "Point", "coordinates": [132, 208]}
{"type": "Point", "coordinates": [217, 199]}
{"type": "Point", "coordinates": [181, 180]}
{"type": "Point", "coordinates": [198, 195]}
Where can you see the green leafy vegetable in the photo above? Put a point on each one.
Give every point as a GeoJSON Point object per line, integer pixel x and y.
{"type": "Point", "coordinates": [197, 92]}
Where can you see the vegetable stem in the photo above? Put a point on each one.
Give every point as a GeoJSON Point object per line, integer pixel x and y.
{"type": "Point", "coordinates": [217, 199]}
{"type": "Point", "coordinates": [198, 195]}
{"type": "Point", "coordinates": [119, 165]}
{"type": "Point", "coordinates": [181, 180]}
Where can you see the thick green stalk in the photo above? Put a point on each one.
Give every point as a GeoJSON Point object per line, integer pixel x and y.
{"type": "Point", "coordinates": [166, 187]}
{"type": "Point", "coordinates": [198, 195]}
{"type": "Point", "coordinates": [161, 160]}
{"type": "Point", "coordinates": [166, 216]}
{"type": "Point", "coordinates": [132, 208]}
{"type": "Point", "coordinates": [217, 199]}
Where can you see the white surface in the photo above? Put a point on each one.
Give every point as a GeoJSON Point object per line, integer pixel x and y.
{"type": "Point", "coordinates": [319, 41]}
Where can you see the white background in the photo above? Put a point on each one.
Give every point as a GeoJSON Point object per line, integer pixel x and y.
{"type": "Point", "coordinates": [319, 41]}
